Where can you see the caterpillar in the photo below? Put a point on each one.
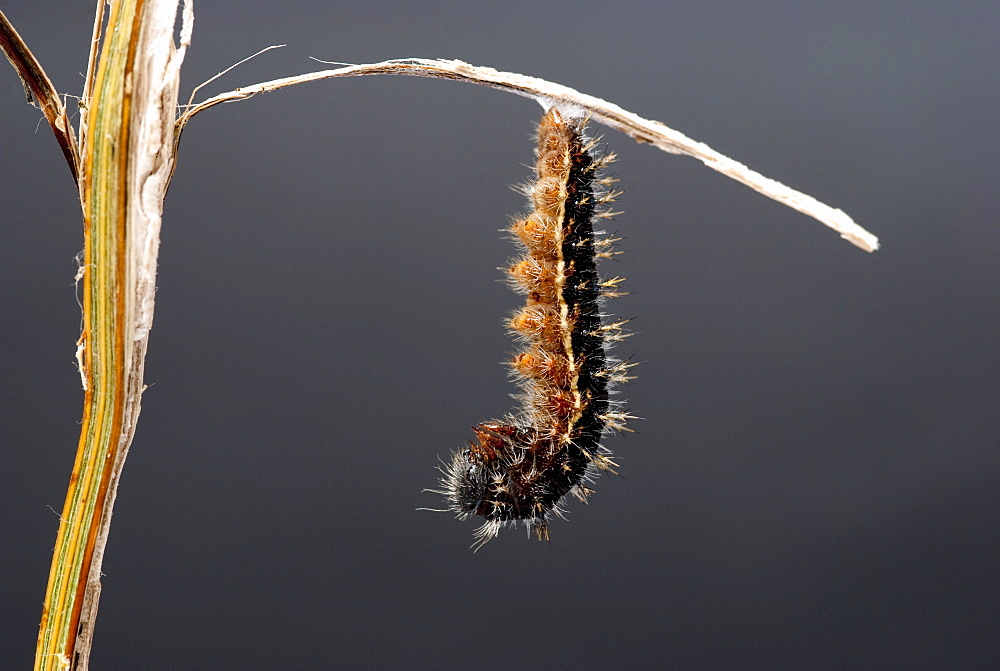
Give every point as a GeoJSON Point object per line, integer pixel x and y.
{"type": "Point", "coordinates": [521, 467]}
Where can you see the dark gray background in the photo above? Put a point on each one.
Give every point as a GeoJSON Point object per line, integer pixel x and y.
{"type": "Point", "coordinates": [815, 481]}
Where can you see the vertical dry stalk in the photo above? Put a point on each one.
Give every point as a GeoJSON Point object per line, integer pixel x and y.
{"type": "Point", "coordinates": [125, 166]}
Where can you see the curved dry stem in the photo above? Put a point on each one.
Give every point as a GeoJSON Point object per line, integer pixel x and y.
{"type": "Point", "coordinates": [572, 101]}
{"type": "Point", "coordinates": [38, 88]}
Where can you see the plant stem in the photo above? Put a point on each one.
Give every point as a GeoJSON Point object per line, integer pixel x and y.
{"type": "Point", "coordinates": [39, 90]}
{"type": "Point", "coordinates": [103, 346]}
{"type": "Point", "coordinates": [572, 102]}
{"type": "Point", "coordinates": [127, 159]}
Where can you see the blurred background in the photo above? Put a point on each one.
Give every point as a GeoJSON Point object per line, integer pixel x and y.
{"type": "Point", "coordinates": [816, 480]}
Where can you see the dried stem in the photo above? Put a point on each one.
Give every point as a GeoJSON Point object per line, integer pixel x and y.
{"type": "Point", "coordinates": [38, 88]}
{"type": "Point", "coordinates": [88, 85]}
{"type": "Point", "coordinates": [127, 160]}
{"type": "Point", "coordinates": [613, 116]}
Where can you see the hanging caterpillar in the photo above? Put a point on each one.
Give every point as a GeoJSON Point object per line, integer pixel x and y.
{"type": "Point", "coordinates": [521, 467]}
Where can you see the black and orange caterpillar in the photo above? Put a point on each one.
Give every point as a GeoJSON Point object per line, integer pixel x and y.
{"type": "Point", "coordinates": [521, 467]}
